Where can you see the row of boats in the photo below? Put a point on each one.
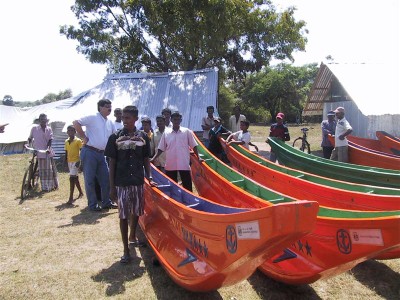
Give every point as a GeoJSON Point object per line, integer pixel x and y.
{"type": "Point", "coordinates": [295, 225]}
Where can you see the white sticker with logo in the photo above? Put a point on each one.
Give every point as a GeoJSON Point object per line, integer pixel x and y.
{"type": "Point", "coordinates": [366, 236]}
{"type": "Point", "coordinates": [247, 231]}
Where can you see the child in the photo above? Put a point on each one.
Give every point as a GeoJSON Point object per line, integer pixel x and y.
{"type": "Point", "coordinates": [242, 137]}
{"type": "Point", "coordinates": [72, 148]}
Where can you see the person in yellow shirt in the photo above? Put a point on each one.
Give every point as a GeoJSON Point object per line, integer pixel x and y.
{"type": "Point", "coordinates": [72, 148]}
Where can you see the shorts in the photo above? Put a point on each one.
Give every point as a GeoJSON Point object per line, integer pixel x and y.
{"type": "Point", "coordinates": [130, 201]}
{"type": "Point", "coordinates": [73, 169]}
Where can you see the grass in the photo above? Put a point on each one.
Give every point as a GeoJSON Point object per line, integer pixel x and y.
{"type": "Point", "coordinates": [51, 251]}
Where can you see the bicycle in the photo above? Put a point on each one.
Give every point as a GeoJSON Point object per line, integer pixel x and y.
{"type": "Point", "coordinates": [301, 143]}
{"type": "Point", "coordinates": [30, 180]}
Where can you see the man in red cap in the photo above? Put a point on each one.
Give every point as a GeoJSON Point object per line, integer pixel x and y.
{"type": "Point", "coordinates": [278, 130]}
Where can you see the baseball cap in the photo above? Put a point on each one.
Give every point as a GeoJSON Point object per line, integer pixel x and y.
{"type": "Point", "coordinates": [339, 109]}
{"type": "Point", "coordinates": [218, 119]}
{"type": "Point", "coordinates": [330, 113]}
{"type": "Point", "coordinates": [280, 115]}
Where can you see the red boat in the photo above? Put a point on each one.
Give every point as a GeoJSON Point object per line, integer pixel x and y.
{"type": "Point", "coordinates": [204, 245]}
{"type": "Point", "coordinates": [389, 141]}
{"type": "Point", "coordinates": [371, 144]}
{"type": "Point", "coordinates": [302, 185]}
{"type": "Point", "coordinates": [362, 156]}
{"type": "Point", "coordinates": [341, 238]}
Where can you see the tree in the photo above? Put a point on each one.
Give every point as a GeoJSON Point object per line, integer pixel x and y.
{"type": "Point", "coordinates": [8, 100]}
{"type": "Point", "coordinates": [240, 36]}
{"type": "Point", "coordinates": [282, 88]}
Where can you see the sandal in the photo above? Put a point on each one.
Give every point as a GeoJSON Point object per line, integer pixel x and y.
{"type": "Point", "coordinates": [125, 259]}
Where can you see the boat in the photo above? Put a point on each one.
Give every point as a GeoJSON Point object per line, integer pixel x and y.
{"type": "Point", "coordinates": [389, 141]}
{"type": "Point", "coordinates": [360, 155]}
{"type": "Point", "coordinates": [372, 144]}
{"type": "Point", "coordinates": [204, 245]}
{"type": "Point", "coordinates": [302, 185]}
{"type": "Point", "coordinates": [341, 238]}
{"type": "Point", "coordinates": [367, 175]}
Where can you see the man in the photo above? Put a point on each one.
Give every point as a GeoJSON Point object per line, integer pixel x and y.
{"type": "Point", "coordinates": [235, 119]}
{"type": "Point", "coordinates": [118, 119]}
{"type": "Point", "coordinates": [129, 151]}
{"type": "Point", "coordinates": [328, 127]}
{"type": "Point", "coordinates": [278, 130]}
{"type": "Point", "coordinates": [242, 137]}
{"type": "Point", "coordinates": [176, 144]}
{"type": "Point", "coordinates": [166, 112]}
{"type": "Point", "coordinates": [159, 162]}
{"type": "Point", "coordinates": [42, 137]}
{"type": "Point", "coordinates": [342, 130]}
{"type": "Point", "coordinates": [207, 123]}
{"type": "Point", "coordinates": [98, 130]}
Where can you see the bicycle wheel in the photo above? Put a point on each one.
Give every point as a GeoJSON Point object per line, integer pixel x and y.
{"type": "Point", "coordinates": [25, 185]}
{"type": "Point", "coordinates": [302, 146]}
{"type": "Point", "coordinates": [35, 177]}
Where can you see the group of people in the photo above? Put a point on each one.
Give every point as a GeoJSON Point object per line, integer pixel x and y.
{"type": "Point", "coordinates": [117, 155]}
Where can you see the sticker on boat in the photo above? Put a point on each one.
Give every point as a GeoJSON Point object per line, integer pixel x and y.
{"type": "Point", "coordinates": [366, 236]}
{"type": "Point", "coordinates": [248, 230]}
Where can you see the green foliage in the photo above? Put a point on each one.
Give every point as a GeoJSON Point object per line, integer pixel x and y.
{"type": "Point", "coordinates": [227, 99]}
{"type": "Point", "coordinates": [283, 88]}
{"type": "Point", "coordinates": [50, 97]}
{"type": "Point", "coordinates": [171, 35]}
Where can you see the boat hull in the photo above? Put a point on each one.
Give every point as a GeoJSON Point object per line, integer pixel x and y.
{"type": "Point", "coordinates": [375, 145]}
{"type": "Point", "coordinates": [389, 141]}
{"type": "Point", "coordinates": [301, 185]}
{"type": "Point", "coordinates": [331, 248]}
{"type": "Point", "coordinates": [296, 159]}
{"type": "Point", "coordinates": [204, 246]}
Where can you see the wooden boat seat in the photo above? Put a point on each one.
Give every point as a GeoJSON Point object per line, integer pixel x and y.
{"type": "Point", "coordinates": [239, 182]}
{"type": "Point", "coordinates": [300, 176]}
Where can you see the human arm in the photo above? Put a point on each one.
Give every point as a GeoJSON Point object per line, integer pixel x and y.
{"type": "Point", "coordinates": [111, 176]}
{"type": "Point", "coordinates": [2, 127]}
{"type": "Point", "coordinates": [80, 132]}
{"type": "Point", "coordinates": [343, 136]}
{"type": "Point", "coordinates": [251, 144]}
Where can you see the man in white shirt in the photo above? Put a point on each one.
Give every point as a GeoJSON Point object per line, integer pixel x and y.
{"type": "Point", "coordinates": [176, 144]}
{"type": "Point", "coordinates": [235, 119]}
{"type": "Point", "coordinates": [343, 129]}
{"type": "Point", "coordinates": [207, 123]}
{"type": "Point", "coordinates": [98, 130]}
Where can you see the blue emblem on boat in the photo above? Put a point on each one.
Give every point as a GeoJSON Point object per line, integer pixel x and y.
{"type": "Point", "coordinates": [287, 254]}
{"type": "Point", "coordinates": [231, 239]}
{"type": "Point", "coordinates": [190, 258]}
{"type": "Point", "coordinates": [343, 241]}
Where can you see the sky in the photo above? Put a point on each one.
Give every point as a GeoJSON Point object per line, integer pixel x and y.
{"type": "Point", "coordinates": [36, 60]}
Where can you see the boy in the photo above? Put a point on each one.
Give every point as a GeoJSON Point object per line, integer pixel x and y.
{"type": "Point", "coordinates": [72, 148]}
{"type": "Point", "coordinates": [278, 130]}
{"type": "Point", "coordinates": [215, 132]}
{"type": "Point", "coordinates": [242, 137]}
{"type": "Point", "coordinates": [129, 151]}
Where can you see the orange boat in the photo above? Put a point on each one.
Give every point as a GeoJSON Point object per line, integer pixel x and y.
{"type": "Point", "coordinates": [362, 156]}
{"type": "Point", "coordinates": [371, 144]}
{"type": "Point", "coordinates": [204, 245]}
{"type": "Point", "coordinates": [389, 141]}
{"type": "Point", "coordinates": [301, 185]}
{"type": "Point", "coordinates": [341, 238]}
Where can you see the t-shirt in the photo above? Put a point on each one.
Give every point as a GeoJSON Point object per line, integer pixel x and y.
{"type": "Point", "coordinates": [118, 125]}
{"type": "Point", "coordinates": [279, 131]}
{"type": "Point", "coordinates": [207, 121]}
{"type": "Point", "coordinates": [341, 127]}
{"type": "Point", "coordinates": [73, 149]}
{"type": "Point", "coordinates": [98, 130]}
{"type": "Point", "coordinates": [160, 160]}
{"type": "Point", "coordinates": [41, 138]}
{"type": "Point", "coordinates": [176, 145]}
{"type": "Point", "coordinates": [235, 126]}
{"type": "Point", "coordinates": [129, 153]}
{"type": "Point", "coordinates": [243, 137]}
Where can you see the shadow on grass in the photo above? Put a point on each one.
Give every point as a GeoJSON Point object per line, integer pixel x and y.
{"type": "Point", "coordinates": [163, 286]}
{"type": "Point", "coordinates": [379, 278]}
{"type": "Point", "coordinates": [268, 288]}
{"type": "Point", "coordinates": [33, 195]}
{"type": "Point", "coordinates": [117, 274]}
{"type": "Point", "coordinates": [85, 217]}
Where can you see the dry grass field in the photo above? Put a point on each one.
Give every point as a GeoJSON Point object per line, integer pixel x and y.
{"type": "Point", "coordinates": [52, 251]}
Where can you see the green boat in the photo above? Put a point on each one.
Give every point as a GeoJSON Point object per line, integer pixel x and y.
{"type": "Point", "coordinates": [299, 160]}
